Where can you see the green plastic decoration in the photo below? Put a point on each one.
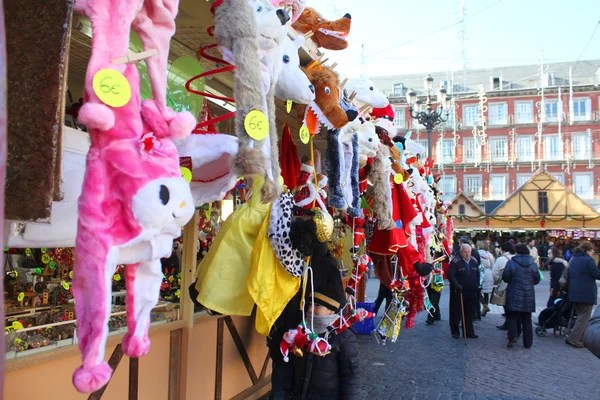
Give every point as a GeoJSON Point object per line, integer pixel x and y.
{"type": "Point", "coordinates": [180, 71]}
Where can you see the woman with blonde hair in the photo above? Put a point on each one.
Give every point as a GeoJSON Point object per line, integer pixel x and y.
{"type": "Point", "coordinates": [487, 278]}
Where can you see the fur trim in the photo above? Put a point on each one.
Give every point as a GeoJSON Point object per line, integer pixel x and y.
{"type": "Point", "coordinates": [269, 191]}
{"type": "Point", "coordinates": [248, 162]}
{"type": "Point", "coordinates": [380, 183]}
{"type": "Point", "coordinates": [96, 116]}
{"type": "Point", "coordinates": [333, 169]}
{"type": "Point", "coordinates": [355, 211]}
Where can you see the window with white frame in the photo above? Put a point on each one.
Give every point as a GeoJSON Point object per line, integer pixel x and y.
{"type": "Point", "coordinates": [473, 186]}
{"type": "Point", "coordinates": [551, 108]}
{"type": "Point", "coordinates": [471, 115]}
{"type": "Point", "coordinates": [559, 177]}
{"type": "Point", "coordinates": [582, 109]}
{"type": "Point", "coordinates": [523, 112]}
{"type": "Point", "coordinates": [498, 114]}
{"type": "Point", "coordinates": [471, 151]}
{"type": "Point", "coordinates": [581, 146]}
{"type": "Point", "coordinates": [445, 151]}
{"type": "Point", "coordinates": [449, 118]}
{"type": "Point", "coordinates": [423, 144]}
{"type": "Point", "coordinates": [448, 187]}
{"type": "Point", "coordinates": [498, 187]}
{"type": "Point", "coordinates": [552, 148]}
{"type": "Point", "coordinates": [522, 179]}
{"type": "Point", "coordinates": [399, 118]}
{"type": "Point", "coordinates": [398, 89]}
{"type": "Point", "coordinates": [524, 148]}
{"type": "Point", "coordinates": [498, 149]}
{"type": "Point", "coordinates": [583, 185]}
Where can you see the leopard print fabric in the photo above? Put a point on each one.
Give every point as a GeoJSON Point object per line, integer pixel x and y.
{"type": "Point", "coordinates": [280, 224]}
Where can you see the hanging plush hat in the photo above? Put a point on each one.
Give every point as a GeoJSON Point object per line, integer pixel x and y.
{"type": "Point", "coordinates": [280, 223]}
{"type": "Point", "coordinates": [385, 112]}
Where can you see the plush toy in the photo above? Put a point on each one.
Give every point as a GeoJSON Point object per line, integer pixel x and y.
{"type": "Point", "coordinates": [305, 191]}
{"type": "Point", "coordinates": [297, 6]}
{"type": "Point", "coordinates": [330, 35]}
{"type": "Point", "coordinates": [300, 339]}
{"type": "Point", "coordinates": [325, 109]}
{"type": "Point", "coordinates": [361, 265]}
{"type": "Point", "coordinates": [293, 84]}
{"type": "Point", "coordinates": [368, 143]}
{"type": "Point", "coordinates": [366, 93]}
{"type": "Point", "coordinates": [134, 200]}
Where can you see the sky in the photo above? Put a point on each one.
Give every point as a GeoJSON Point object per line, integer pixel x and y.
{"type": "Point", "coordinates": [498, 33]}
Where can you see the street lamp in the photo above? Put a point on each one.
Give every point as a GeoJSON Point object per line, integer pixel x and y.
{"type": "Point", "coordinates": [425, 113]}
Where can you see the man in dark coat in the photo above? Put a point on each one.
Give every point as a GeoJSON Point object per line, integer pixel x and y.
{"type": "Point", "coordinates": [463, 275]}
{"type": "Point", "coordinates": [582, 289]}
{"type": "Point", "coordinates": [521, 274]}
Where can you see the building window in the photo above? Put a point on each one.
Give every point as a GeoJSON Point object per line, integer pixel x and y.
{"type": "Point", "coordinates": [449, 118]}
{"type": "Point", "coordinates": [523, 112]}
{"type": "Point", "coordinates": [496, 83]}
{"type": "Point", "coordinates": [552, 148]}
{"type": "Point", "coordinates": [551, 108]}
{"type": "Point", "coordinates": [559, 177]}
{"type": "Point", "coordinates": [543, 202]}
{"type": "Point", "coordinates": [498, 114]}
{"type": "Point", "coordinates": [498, 149]}
{"type": "Point", "coordinates": [581, 146]}
{"type": "Point", "coordinates": [524, 148]}
{"type": "Point", "coordinates": [445, 151]}
{"type": "Point", "coordinates": [471, 151]}
{"type": "Point", "coordinates": [398, 89]}
{"type": "Point", "coordinates": [473, 186]}
{"type": "Point", "coordinates": [582, 110]}
{"type": "Point", "coordinates": [549, 79]}
{"type": "Point", "coordinates": [448, 186]}
{"type": "Point", "coordinates": [461, 209]}
{"type": "Point", "coordinates": [471, 115]}
{"type": "Point", "coordinates": [522, 179]}
{"type": "Point", "coordinates": [583, 185]}
{"type": "Point", "coordinates": [498, 187]}
{"type": "Point", "coordinates": [399, 118]}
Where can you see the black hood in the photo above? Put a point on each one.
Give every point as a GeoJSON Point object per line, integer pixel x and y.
{"type": "Point", "coordinates": [524, 260]}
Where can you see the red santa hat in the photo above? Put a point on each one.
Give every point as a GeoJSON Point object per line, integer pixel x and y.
{"type": "Point", "coordinates": [385, 112]}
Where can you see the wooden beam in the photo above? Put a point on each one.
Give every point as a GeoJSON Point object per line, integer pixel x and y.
{"type": "Point", "coordinates": [219, 366]}
{"type": "Point", "coordinates": [558, 202]}
{"type": "Point", "coordinates": [255, 392]}
{"type": "Point", "coordinates": [113, 362]}
{"type": "Point", "coordinates": [134, 375]}
{"type": "Point", "coordinates": [241, 349]}
{"type": "Point", "coordinates": [188, 267]}
{"type": "Point", "coordinates": [175, 365]}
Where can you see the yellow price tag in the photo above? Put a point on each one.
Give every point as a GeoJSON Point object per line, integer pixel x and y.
{"type": "Point", "coordinates": [44, 250]}
{"type": "Point", "coordinates": [16, 274]}
{"type": "Point", "coordinates": [70, 274]}
{"type": "Point", "coordinates": [66, 286]}
{"type": "Point", "coordinates": [304, 134]}
{"type": "Point", "coordinates": [45, 258]}
{"type": "Point", "coordinates": [111, 87]}
{"type": "Point", "coordinates": [281, 181]}
{"type": "Point", "coordinates": [21, 296]}
{"type": "Point", "coordinates": [288, 106]}
{"type": "Point", "coordinates": [116, 277]}
{"type": "Point", "coordinates": [257, 125]}
{"type": "Point", "coordinates": [28, 252]}
{"type": "Point", "coordinates": [398, 179]}
{"type": "Point", "coordinates": [186, 173]}
{"type": "Point", "coordinates": [17, 325]}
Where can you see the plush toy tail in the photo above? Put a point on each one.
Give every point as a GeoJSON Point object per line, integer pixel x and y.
{"type": "Point", "coordinates": [143, 287]}
{"type": "Point", "coordinates": [93, 271]}
{"type": "Point", "coordinates": [333, 168]}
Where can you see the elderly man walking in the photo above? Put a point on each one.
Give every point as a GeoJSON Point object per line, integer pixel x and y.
{"type": "Point", "coordinates": [463, 275]}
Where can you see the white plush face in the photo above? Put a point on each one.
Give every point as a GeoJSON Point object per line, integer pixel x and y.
{"type": "Point", "coordinates": [298, 6]}
{"type": "Point", "coordinates": [366, 93]}
{"type": "Point", "coordinates": [388, 125]}
{"type": "Point", "coordinates": [293, 84]}
{"type": "Point", "coordinates": [368, 141]}
{"type": "Point", "coordinates": [271, 30]}
{"type": "Point", "coordinates": [163, 203]}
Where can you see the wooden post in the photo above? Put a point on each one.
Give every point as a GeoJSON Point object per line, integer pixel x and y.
{"type": "Point", "coordinates": [189, 260]}
{"type": "Point", "coordinates": [2, 168]}
{"type": "Point", "coordinates": [134, 374]}
{"type": "Point", "coordinates": [219, 364]}
{"type": "Point", "coordinates": [175, 365]}
{"type": "Point", "coordinates": [113, 362]}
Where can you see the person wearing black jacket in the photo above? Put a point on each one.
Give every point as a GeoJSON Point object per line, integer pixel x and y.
{"type": "Point", "coordinates": [556, 265]}
{"type": "Point", "coordinates": [521, 274]}
{"type": "Point", "coordinates": [463, 275]}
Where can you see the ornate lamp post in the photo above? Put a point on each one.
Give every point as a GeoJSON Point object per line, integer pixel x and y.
{"type": "Point", "coordinates": [425, 113]}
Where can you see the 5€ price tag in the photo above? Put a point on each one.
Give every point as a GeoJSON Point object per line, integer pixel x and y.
{"type": "Point", "coordinates": [257, 125]}
{"type": "Point", "coordinates": [111, 87]}
{"type": "Point", "coordinates": [288, 106]}
{"type": "Point", "coordinates": [304, 134]}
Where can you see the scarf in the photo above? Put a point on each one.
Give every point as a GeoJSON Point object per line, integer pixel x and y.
{"type": "Point", "coordinates": [321, 322]}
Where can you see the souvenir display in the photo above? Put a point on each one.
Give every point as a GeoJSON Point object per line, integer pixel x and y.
{"type": "Point", "coordinates": [331, 35]}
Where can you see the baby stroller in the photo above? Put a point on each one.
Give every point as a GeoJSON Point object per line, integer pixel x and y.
{"type": "Point", "coordinates": [556, 317]}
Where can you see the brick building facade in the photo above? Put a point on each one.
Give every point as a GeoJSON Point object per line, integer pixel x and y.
{"type": "Point", "coordinates": [505, 149]}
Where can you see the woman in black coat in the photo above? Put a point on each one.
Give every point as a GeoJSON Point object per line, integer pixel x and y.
{"type": "Point", "coordinates": [521, 274]}
{"type": "Point", "coordinates": [556, 265]}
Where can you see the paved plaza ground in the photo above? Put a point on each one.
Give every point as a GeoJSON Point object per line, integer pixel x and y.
{"type": "Point", "coordinates": [427, 363]}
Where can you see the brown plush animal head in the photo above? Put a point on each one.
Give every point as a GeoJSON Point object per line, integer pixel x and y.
{"type": "Point", "coordinates": [331, 35]}
{"type": "Point", "coordinates": [326, 108]}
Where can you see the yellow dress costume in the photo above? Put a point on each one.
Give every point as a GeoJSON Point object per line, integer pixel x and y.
{"type": "Point", "coordinates": [223, 272]}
